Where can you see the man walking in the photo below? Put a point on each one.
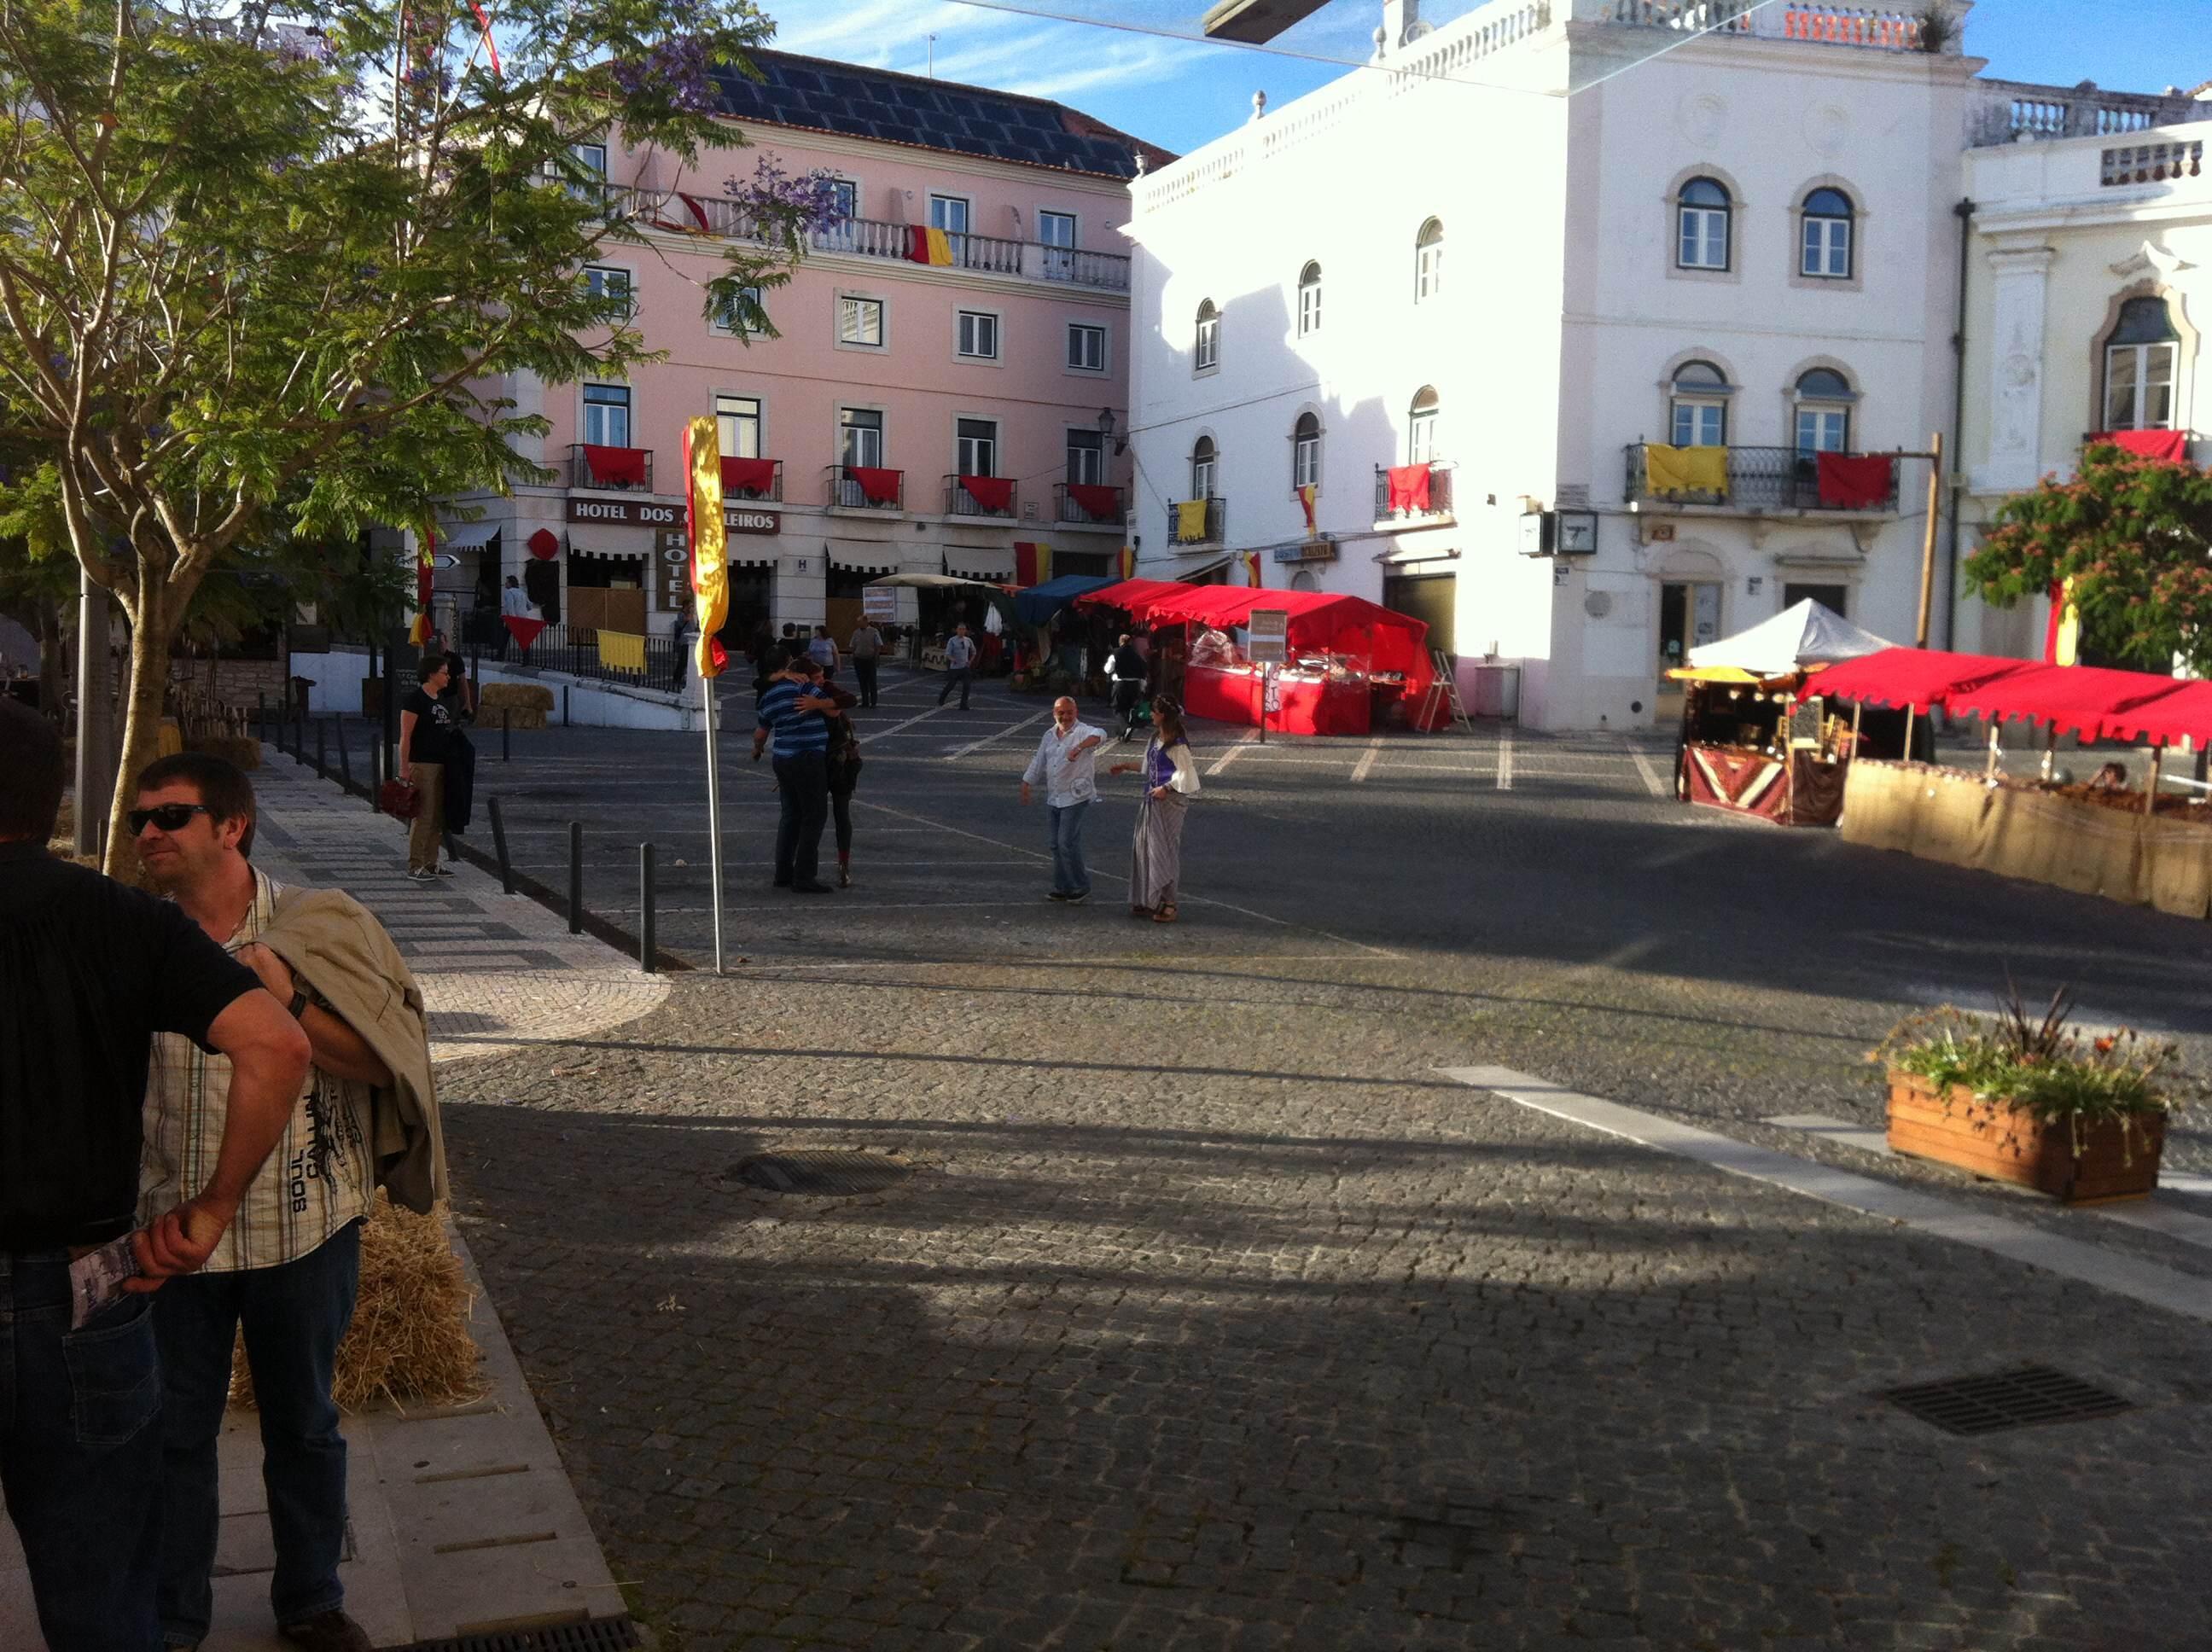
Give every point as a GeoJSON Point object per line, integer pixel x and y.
{"type": "Point", "coordinates": [959, 665]}
{"type": "Point", "coordinates": [427, 741]}
{"type": "Point", "coordinates": [1127, 667]}
{"type": "Point", "coordinates": [514, 603]}
{"type": "Point", "coordinates": [1066, 765]}
{"type": "Point", "coordinates": [89, 970]}
{"type": "Point", "coordinates": [792, 713]}
{"type": "Point", "coordinates": [286, 1272]}
{"type": "Point", "coordinates": [867, 647]}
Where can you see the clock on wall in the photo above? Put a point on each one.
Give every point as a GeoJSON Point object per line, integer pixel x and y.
{"type": "Point", "coordinates": [1578, 533]}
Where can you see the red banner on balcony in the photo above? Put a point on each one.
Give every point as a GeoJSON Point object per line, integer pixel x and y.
{"type": "Point", "coordinates": [616, 467]}
{"type": "Point", "coordinates": [878, 487]}
{"type": "Point", "coordinates": [992, 492]}
{"type": "Point", "coordinates": [1853, 482]}
{"type": "Point", "coordinates": [2169, 445]}
{"type": "Point", "coordinates": [1409, 487]}
{"type": "Point", "coordinates": [755, 476]}
{"type": "Point", "coordinates": [523, 630]}
{"type": "Point", "coordinates": [1100, 504]}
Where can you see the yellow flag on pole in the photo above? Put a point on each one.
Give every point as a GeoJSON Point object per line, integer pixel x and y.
{"type": "Point", "coordinates": [710, 562]}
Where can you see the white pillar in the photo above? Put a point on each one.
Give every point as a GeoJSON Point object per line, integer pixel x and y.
{"type": "Point", "coordinates": [2015, 460]}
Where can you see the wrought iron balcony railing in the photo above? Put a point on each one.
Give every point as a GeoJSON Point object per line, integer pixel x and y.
{"type": "Point", "coordinates": [1088, 504]}
{"type": "Point", "coordinates": [1440, 494]}
{"type": "Point", "coordinates": [627, 469]}
{"type": "Point", "coordinates": [866, 488]}
{"type": "Point", "coordinates": [1759, 479]}
{"type": "Point", "coordinates": [1215, 518]}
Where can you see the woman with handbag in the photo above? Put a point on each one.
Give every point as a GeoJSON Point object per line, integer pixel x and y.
{"type": "Point", "coordinates": [1170, 772]}
{"type": "Point", "coordinates": [426, 732]}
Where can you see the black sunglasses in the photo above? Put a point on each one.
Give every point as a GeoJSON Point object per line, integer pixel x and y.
{"type": "Point", "coordinates": [169, 817]}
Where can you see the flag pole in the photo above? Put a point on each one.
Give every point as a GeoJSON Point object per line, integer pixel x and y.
{"type": "Point", "coordinates": [714, 812]}
{"type": "Point", "coordinates": [708, 546]}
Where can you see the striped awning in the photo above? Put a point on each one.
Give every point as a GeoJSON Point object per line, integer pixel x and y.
{"type": "Point", "coordinates": [968, 562]}
{"type": "Point", "coordinates": [735, 561]}
{"type": "Point", "coordinates": [854, 563]}
{"type": "Point", "coordinates": [468, 536]}
{"type": "Point", "coordinates": [614, 550]}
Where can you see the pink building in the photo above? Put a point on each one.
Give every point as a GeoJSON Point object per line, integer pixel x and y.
{"type": "Point", "coordinates": [911, 417]}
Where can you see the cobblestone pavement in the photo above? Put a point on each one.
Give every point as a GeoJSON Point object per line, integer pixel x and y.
{"type": "Point", "coordinates": [1211, 1316]}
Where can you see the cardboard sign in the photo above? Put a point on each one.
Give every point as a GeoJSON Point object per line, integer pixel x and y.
{"type": "Point", "coordinates": [878, 603]}
{"type": "Point", "coordinates": [1270, 635]}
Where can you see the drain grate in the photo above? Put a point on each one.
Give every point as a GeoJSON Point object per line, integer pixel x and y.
{"type": "Point", "coordinates": [598, 1635]}
{"type": "Point", "coordinates": [2020, 1398]}
{"type": "Point", "coordinates": [835, 1172]}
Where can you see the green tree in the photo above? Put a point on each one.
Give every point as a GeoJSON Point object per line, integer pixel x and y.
{"type": "Point", "coordinates": [255, 278]}
{"type": "Point", "coordinates": [2134, 536]}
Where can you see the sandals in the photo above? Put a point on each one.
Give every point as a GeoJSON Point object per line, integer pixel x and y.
{"type": "Point", "coordinates": [1166, 915]}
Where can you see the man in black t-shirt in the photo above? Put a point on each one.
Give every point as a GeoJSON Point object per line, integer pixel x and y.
{"type": "Point", "coordinates": [89, 971]}
{"type": "Point", "coordinates": [426, 735]}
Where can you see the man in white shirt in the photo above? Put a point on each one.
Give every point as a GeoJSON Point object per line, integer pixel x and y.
{"type": "Point", "coordinates": [514, 603]}
{"type": "Point", "coordinates": [959, 665]}
{"type": "Point", "coordinates": [1067, 766]}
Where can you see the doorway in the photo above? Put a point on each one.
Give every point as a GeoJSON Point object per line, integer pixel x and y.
{"type": "Point", "coordinates": [1689, 617]}
{"type": "Point", "coordinates": [1433, 598]}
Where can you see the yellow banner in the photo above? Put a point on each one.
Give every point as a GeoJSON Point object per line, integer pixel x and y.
{"type": "Point", "coordinates": [1190, 520]}
{"type": "Point", "coordinates": [1685, 470]}
{"type": "Point", "coordinates": [940, 246]}
{"type": "Point", "coordinates": [710, 563]}
{"type": "Point", "coordinates": [622, 651]}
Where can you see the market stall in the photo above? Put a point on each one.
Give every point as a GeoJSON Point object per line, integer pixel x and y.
{"type": "Point", "coordinates": [944, 600]}
{"type": "Point", "coordinates": [1752, 742]}
{"type": "Point", "coordinates": [1352, 665]}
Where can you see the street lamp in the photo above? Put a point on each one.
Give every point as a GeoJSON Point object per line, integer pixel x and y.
{"type": "Point", "coordinates": [1106, 430]}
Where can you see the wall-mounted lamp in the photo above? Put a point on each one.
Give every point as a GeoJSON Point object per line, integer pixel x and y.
{"type": "Point", "coordinates": [1106, 431]}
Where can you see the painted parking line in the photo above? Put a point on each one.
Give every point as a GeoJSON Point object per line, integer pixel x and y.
{"type": "Point", "coordinates": [1365, 766]}
{"type": "Point", "coordinates": [1648, 770]}
{"type": "Point", "coordinates": [879, 733]}
{"type": "Point", "coordinates": [1015, 728]}
{"type": "Point", "coordinates": [1233, 753]}
{"type": "Point", "coordinates": [1504, 756]}
{"type": "Point", "coordinates": [1910, 1207]}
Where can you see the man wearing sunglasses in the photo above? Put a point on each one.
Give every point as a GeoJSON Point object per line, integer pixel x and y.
{"type": "Point", "coordinates": [89, 970]}
{"type": "Point", "coordinates": [286, 1272]}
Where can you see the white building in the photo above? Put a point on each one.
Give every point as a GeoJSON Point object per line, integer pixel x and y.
{"type": "Point", "coordinates": [1742, 238]}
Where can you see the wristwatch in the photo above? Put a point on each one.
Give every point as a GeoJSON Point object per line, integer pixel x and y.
{"type": "Point", "coordinates": [299, 1005]}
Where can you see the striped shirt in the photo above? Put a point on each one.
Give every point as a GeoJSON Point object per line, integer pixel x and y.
{"type": "Point", "coordinates": [792, 731]}
{"type": "Point", "coordinates": [319, 1177]}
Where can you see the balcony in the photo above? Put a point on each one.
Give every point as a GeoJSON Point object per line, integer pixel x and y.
{"type": "Point", "coordinates": [1215, 518]}
{"type": "Point", "coordinates": [626, 470]}
{"type": "Point", "coordinates": [753, 479]}
{"type": "Point", "coordinates": [1882, 29]}
{"type": "Point", "coordinates": [2005, 112]}
{"type": "Point", "coordinates": [1440, 497]}
{"type": "Point", "coordinates": [865, 488]}
{"type": "Point", "coordinates": [1088, 505]}
{"type": "Point", "coordinates": [879, 238]}
{"type": "Point", "coordinates": [1759, 480]}
{"type": "Point", "coordinates": [980, 495]}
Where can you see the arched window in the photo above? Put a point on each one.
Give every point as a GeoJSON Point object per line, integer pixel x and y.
{"type": "Point", "coordinates": [1209, 336]}
{"type": "Point", "coordinates": [2139, 361]}
{"type": "Point", "coordinates": [1698, 405]}
{"type": "Point", "coordinates": [1429, 260]}
{"type": "Point", "coordinates": [1421, 428]}
{"type": "Point", "coordinates": [1305, 452]}
{"type": "Point", "coordinates": [1824, 399]}
{"type": "Point", "coordinates": [1201, 467]}
{"type": "Point", "coordinates": [1702, 215]}
{"type": "Point", "coordinates": [1824, 247]}
{"type": "Point", "coordinates": [1304, 580]}
{"type": "Point", "coordinates": [1309, 299]}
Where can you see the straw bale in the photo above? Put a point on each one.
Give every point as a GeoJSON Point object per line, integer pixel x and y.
{"type": "Point", "coordinates": [410, 1341]}
{"type": "Point", "coordinates": [517, 697]}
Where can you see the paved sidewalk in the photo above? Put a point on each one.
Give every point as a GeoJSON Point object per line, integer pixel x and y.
{"type": "Point", "coordinates": [462, 1521]}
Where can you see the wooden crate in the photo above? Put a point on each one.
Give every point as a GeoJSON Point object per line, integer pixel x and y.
{"type": "Point", "coordinates": [2004, 1144]}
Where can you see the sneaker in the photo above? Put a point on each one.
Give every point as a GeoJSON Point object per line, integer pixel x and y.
{"type": "Point", "coordinates": [844, 877]}
{"type": "Point", "coordinates": [421, 875]}
{"type": "Point", "coordinates": [443, 869]}
{"type": "Point", "coordinates": [327, 1632]}
{"type": "Point", "coordinates": [1078, 898]}
{"type": "Point", "coordinates": [1055, 895]}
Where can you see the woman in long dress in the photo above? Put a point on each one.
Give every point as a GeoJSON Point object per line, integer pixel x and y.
{"type": "Point", "coordinates": [1171, 775]}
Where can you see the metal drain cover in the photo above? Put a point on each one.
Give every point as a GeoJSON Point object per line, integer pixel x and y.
{"type": "Point", "coordinates": [833, 1172]}
{"type": "Point", "coordinates": [2020, 1398]}
{"type": "Point", "coordinates": [598, 1635]}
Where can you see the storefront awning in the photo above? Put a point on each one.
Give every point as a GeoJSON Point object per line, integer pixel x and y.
{"type": "Point", "coordinates": [992, 567]}
{"type": "Point", "coordinates": [612, 549]}
{"type": "Point", "coordinates": [857, 564]}
{"type": "Point", "coordinates": [735, 561]}
{"type": "Point", "coordinates": [467, 535]}
{"type": "Point", "coordinates": [1037, 604]}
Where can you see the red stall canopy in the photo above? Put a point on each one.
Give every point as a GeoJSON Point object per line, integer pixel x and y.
{"type": "Point", "coordinates": [2184, 714]}
{"type": "Point", "coordinates": [2073, 699]}
{"type": "Point", "coordinates": [1918, 677]}
{"type": "Point", "coordinates": [1132, 596]}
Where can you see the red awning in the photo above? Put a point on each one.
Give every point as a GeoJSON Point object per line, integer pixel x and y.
{"type": "Point", "coordinates": [1918, 677]}
{"type": "Point", "coordinates": [2184, 714]}
{"type": "Point", "coordinates": [1132, 596]}
{"type": "Point", "coordinates": [2084, 700]}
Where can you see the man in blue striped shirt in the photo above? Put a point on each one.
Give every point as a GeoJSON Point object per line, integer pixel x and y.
{"type": "Point", "coordinates": [792, 716]}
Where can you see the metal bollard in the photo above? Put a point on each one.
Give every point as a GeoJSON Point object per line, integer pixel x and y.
{"type": "Point", "coordinates": [299, 736]}
{"type": "Point", "coordinates": [564, 705]}
{"type": "Point", "coordinates": [575, 877]}
{"type": "Point", "coordinates": [345, 762]}
{"type": "Point", "coordinates": [648, 953]}
{"type": "Point", "coordinates": [322, 748]}
{"type": "Point", "coordinates": [376, 777]}
{"type": "Point", "coordinates": [506, 734]}
{"type": "Point", "coordinates": [499, 845]}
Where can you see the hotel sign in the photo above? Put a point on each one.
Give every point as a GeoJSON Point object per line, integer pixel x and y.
{"type": "Point", "coordinates": [627, 513]}
{"type": "Point", "coordinates": [742, 518]}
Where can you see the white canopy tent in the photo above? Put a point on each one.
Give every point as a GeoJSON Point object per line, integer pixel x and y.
{"type": "Point", "coordinates": [1805, 633]}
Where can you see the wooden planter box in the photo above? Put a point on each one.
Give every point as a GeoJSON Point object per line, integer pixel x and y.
{"type": "Point", "coordinates": [2001, 1142]}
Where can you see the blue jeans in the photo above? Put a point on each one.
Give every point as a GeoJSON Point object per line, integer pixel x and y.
{"type": "Point", "coordinates": [294, 1315]}
{"type": "Point", "coordinates": [1069, 875]}
{"type": "Point", "coordinates": [803, 791]}
{"type": "Point", "coordinates": [80, 1456]}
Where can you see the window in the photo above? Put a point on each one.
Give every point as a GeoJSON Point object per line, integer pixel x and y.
{"type": "Point", "coordinates": [606, 416]}
{"type": "Point", "coordinates": [1086, 457]}
{"type": "Point", "coordinates": [737, 421]}
{"type": "Point", "coordinates": [862, 429]}
{"type": "Point", "coordinates": [1701, 220]}
{"type": "Point", "coordinates": [1824, 412]}
{"type": "Point", "coordinates": [1698, 408]}
{"type": "Point", "coordinates": [1056, 230]}
{"type": "Point", "coordinates": [1209, 337]}
{"type": "Point", "coordinates": [1201, 467]}
{"type": "Point", "coordinates": [979, 335]}
{"type": "Point", "coordinates": [845, 198]}
{"type": "Point", "coordinates": [2139, 360]}
{"type": "Point", "coordinates": [1305, 452]}
{"type": "Point", "coordinates": [1833, 597]}
{"type": "Point", "coordinates": [1421, 428]}
{"type": "Point", "coordinates": [1309, 299]}
{"type": "Point", "coordinates": [1429, 261]}
{"type": "Point", "coordinates": [976, 445]}
{"type": "Point", "coordinates": [591, 157]}
{"type": "Point", "coordinates": [1825, 247]}
{"type": "Point", "coordinates": [845, 207]}
{"type": "Point", "coordinates": [950, 213]}
{"type": "Point", "coordinates": [1086, 347]}
{"type": "Point", "coordinates": [603, 280]}
{"type": "Point", "coordinates": [860, 321]}
{"type": "Point", "coordinates": [742, 315]}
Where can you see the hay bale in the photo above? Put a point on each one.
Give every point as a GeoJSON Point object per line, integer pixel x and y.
{"type": "Point", "coordinates": [514, 696]}
{"type": "Point", "coordinates": [410, 1341]}
{"type": "Point", "coordinates": [231, 748]}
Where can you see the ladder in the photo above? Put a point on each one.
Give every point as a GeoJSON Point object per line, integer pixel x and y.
{"type": "Point", "coordinates": [1444, 694]}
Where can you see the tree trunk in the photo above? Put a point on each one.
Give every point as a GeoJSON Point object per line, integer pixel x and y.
{"type": "Point", "coordinates": [152, 620]}
{"type": "Point", "coordinates": [54, 658]}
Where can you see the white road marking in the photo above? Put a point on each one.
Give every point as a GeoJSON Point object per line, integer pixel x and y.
{"type": "Point", "coordinates": [1911, 1207]}
{"type": "Point", "coordinates": [1505, 756]}
{"type": "Point", "coordinates": [1646, 767]}
{"type": "Point", "coordinates": [1233, 753]}
{"type": "Point", "coordinates": [977, 745]}
{"type": "Point", "coordinates": [1366, 763]}
{"type": "Point", "coordinates": [879, 733]}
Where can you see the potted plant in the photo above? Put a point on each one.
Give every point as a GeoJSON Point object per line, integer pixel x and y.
{"type": "Point", "coordinates": [2031, 1100]}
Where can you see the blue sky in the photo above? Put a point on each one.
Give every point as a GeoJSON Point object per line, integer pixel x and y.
{"type": "Point", "coordinates": [1180, 91]}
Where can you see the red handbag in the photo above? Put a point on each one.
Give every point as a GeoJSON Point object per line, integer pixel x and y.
{"type": "Point", "coordinates": [399, 799]}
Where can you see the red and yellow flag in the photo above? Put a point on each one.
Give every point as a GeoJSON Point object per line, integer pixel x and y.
{"type": "Point", "coordinates": [1252, 569]}
{"type": "Point", "coordinates": [2062, 640]}
{"type": "Point", "coordinates": [1306, 499]}
{"type": "Point", "coordinates": [709, 534]}
{"type": "Point", "coordinates": [426, 569]}
{"type": "Point", "coordinates": [1128, 562]}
